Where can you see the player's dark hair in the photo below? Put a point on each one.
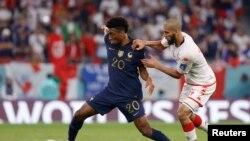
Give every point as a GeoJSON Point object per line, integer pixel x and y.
{"type": "Point", "coordinates": [119, 23]}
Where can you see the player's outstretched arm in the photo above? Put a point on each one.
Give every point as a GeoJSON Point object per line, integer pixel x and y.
{"type": "Point", "coordinates": [139, 44]}
{"type": "Point", "coordinates": [152, 62]}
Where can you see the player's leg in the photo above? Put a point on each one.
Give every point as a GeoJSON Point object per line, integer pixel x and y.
{"type": "Point", "coordinates": [185, 111]}
{"type": "Point", "coordinates": [133, 110]}
{"type": "Point", "coordinates": [101, 103]}
{"type": "Point", "coordinates": [192, 98]}
{"type": "Point", "coordinates": [199, 122]}
{"type": "Point", "coordinates": [76, 123]}
{"type": "Point", "coordinates": [143, 126]}
{"type": "Point", "coordinates": [206, 92]}
{"type": "Point", "coordinates": [188, 126]}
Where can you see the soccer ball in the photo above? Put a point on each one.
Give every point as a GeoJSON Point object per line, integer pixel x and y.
{"type": "Point", "coordinates": [50, 140]}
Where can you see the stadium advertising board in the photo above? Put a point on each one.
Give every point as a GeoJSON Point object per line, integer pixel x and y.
{"type": "Point", "coordinates": [26, 78]}
{"type": "Point", "coordinates": [89, 79]}
{"type": "Point", "coordinates": [32, 112]}
{"type": "Point", "coordinates": [240, 86]}
{"type": "Point", "coordinates": [94, 78]}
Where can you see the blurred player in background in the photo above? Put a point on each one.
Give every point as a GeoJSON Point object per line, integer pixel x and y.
{"type": "Point", "coordinates": [200, 81]}
{"type": "Point", "coordinates": [124, 90]}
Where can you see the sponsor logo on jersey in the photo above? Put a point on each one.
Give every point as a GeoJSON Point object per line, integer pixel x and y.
{"type": "Point", "coordinates": [130, 55]}
{"type": "Point", "coordinates": [120, 53]}
{"type": "Point", "coordinates": [183, 67]}
{"type": "Point", "coordinates": [111, 48]}
{"type": "Point", "coordinates": [185, 59]}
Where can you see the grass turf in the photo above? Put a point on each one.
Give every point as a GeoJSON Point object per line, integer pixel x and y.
{"type": "Point", "coordinates": [111, 131]}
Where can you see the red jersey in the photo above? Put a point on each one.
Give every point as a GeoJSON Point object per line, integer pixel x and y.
{"type": "Point", "coordinates": [56, 49]}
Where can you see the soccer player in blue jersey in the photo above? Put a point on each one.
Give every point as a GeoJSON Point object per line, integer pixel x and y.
{"type": "Point", "coordinates": [124, 90]}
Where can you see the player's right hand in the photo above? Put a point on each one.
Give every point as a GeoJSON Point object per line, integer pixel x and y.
{"type": "Point", "coordinates": [138, 44]}
{"type": "Point", "coordinates": [151, 62]}
{"type": "Point", "coordinates": [150, 86]}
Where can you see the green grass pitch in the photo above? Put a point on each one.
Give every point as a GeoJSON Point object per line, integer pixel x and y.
{"type": "Point", "coordinates": [111, 131]}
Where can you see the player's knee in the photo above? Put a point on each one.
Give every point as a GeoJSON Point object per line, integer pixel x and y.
{"type": "Point", "coordinates": [182, 114]}
{"type": "Point", "coordinates": [79, 116]}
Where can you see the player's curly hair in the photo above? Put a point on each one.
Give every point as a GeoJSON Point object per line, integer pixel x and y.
{"type": "Point", "coordinates": [118, 23]}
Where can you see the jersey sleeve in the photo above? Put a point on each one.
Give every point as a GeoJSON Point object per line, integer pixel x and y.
{"type": "Point", "coordinates": [141, 55]}
{"type": "Point", "coordinates": [106, 38]}
{"type": "Point", "coordinates": [184, 64]}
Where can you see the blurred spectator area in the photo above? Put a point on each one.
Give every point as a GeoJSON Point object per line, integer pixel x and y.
{"type": "Point", "coordinates": [218, 27]}
{"type": "Point", "coordinates": [67, 33]}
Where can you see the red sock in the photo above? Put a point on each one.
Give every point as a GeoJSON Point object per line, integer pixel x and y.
{"type": "Point", "coordinates": [197, 121]}
{"type": "Point", "coordinates": [188, 127]}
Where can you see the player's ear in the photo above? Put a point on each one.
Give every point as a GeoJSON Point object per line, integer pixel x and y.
{"type": "Point", "coordinates": [177, 31]}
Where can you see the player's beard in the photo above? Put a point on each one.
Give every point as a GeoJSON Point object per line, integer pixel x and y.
{"type": "Point", "coordinates": [172, 40]}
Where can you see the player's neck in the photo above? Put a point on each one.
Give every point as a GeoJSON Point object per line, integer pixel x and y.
{"type": "Point", "coordinates": [125, 41]}
{"type": "Point", "coordinates": [179, 40]}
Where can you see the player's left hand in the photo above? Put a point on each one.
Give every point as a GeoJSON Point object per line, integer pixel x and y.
{"type": "Point", "coordinates": [150, 86]}
{"type": "Point", "coordinates": [105, 29]}
{"type": "Point", "coordinates": [150, 62]}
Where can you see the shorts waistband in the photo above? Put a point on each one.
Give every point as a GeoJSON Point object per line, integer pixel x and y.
{"type": "Point", "coordinates": [202, 85]}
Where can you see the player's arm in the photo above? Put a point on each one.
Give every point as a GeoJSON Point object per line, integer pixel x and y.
{"type": "Point", "coordinates": [139, 44]}
{"type": "Point", "coordinates": [144, 73]}
{"type": "Point", "coordinates": [145, 76]}
{"type": "Point", "coordinates": [152, 62]}
{"type": "Point", "coordinates": [105, 29]}
{"type": "Point", "coordinates": [169, 71]}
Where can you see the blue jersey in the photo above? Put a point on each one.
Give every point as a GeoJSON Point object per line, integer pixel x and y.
{"type": "Point", "coordinates": [123, 63]}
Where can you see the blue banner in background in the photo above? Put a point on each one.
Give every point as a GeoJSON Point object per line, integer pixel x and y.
{"type": "Point", "coordinates": [238, 82]}
{"type": "Point", "coordinates": [95, 78]}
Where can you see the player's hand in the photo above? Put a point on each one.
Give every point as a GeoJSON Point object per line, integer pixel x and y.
{"type": "Point", "coordinates": [105, 29]}
{"type": "Point", "coordinates": [150, 62]}
{"type": "Point", "coordinates": [138, 44]}
{"type": "Point", "coordinates": [150, 86]}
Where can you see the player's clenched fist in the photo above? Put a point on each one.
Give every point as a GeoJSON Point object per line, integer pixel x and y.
{"type": "Point", "coordinates": [138, 44]}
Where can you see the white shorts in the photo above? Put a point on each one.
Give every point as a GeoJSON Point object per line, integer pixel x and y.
{"type": "Point", "coordinates": [195, 96]}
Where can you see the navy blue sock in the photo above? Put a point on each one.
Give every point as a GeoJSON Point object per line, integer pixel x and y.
{"type": "Point", "coordinates": [159, 136]}
{"type": "Point", "coordinates": [74, 127]}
